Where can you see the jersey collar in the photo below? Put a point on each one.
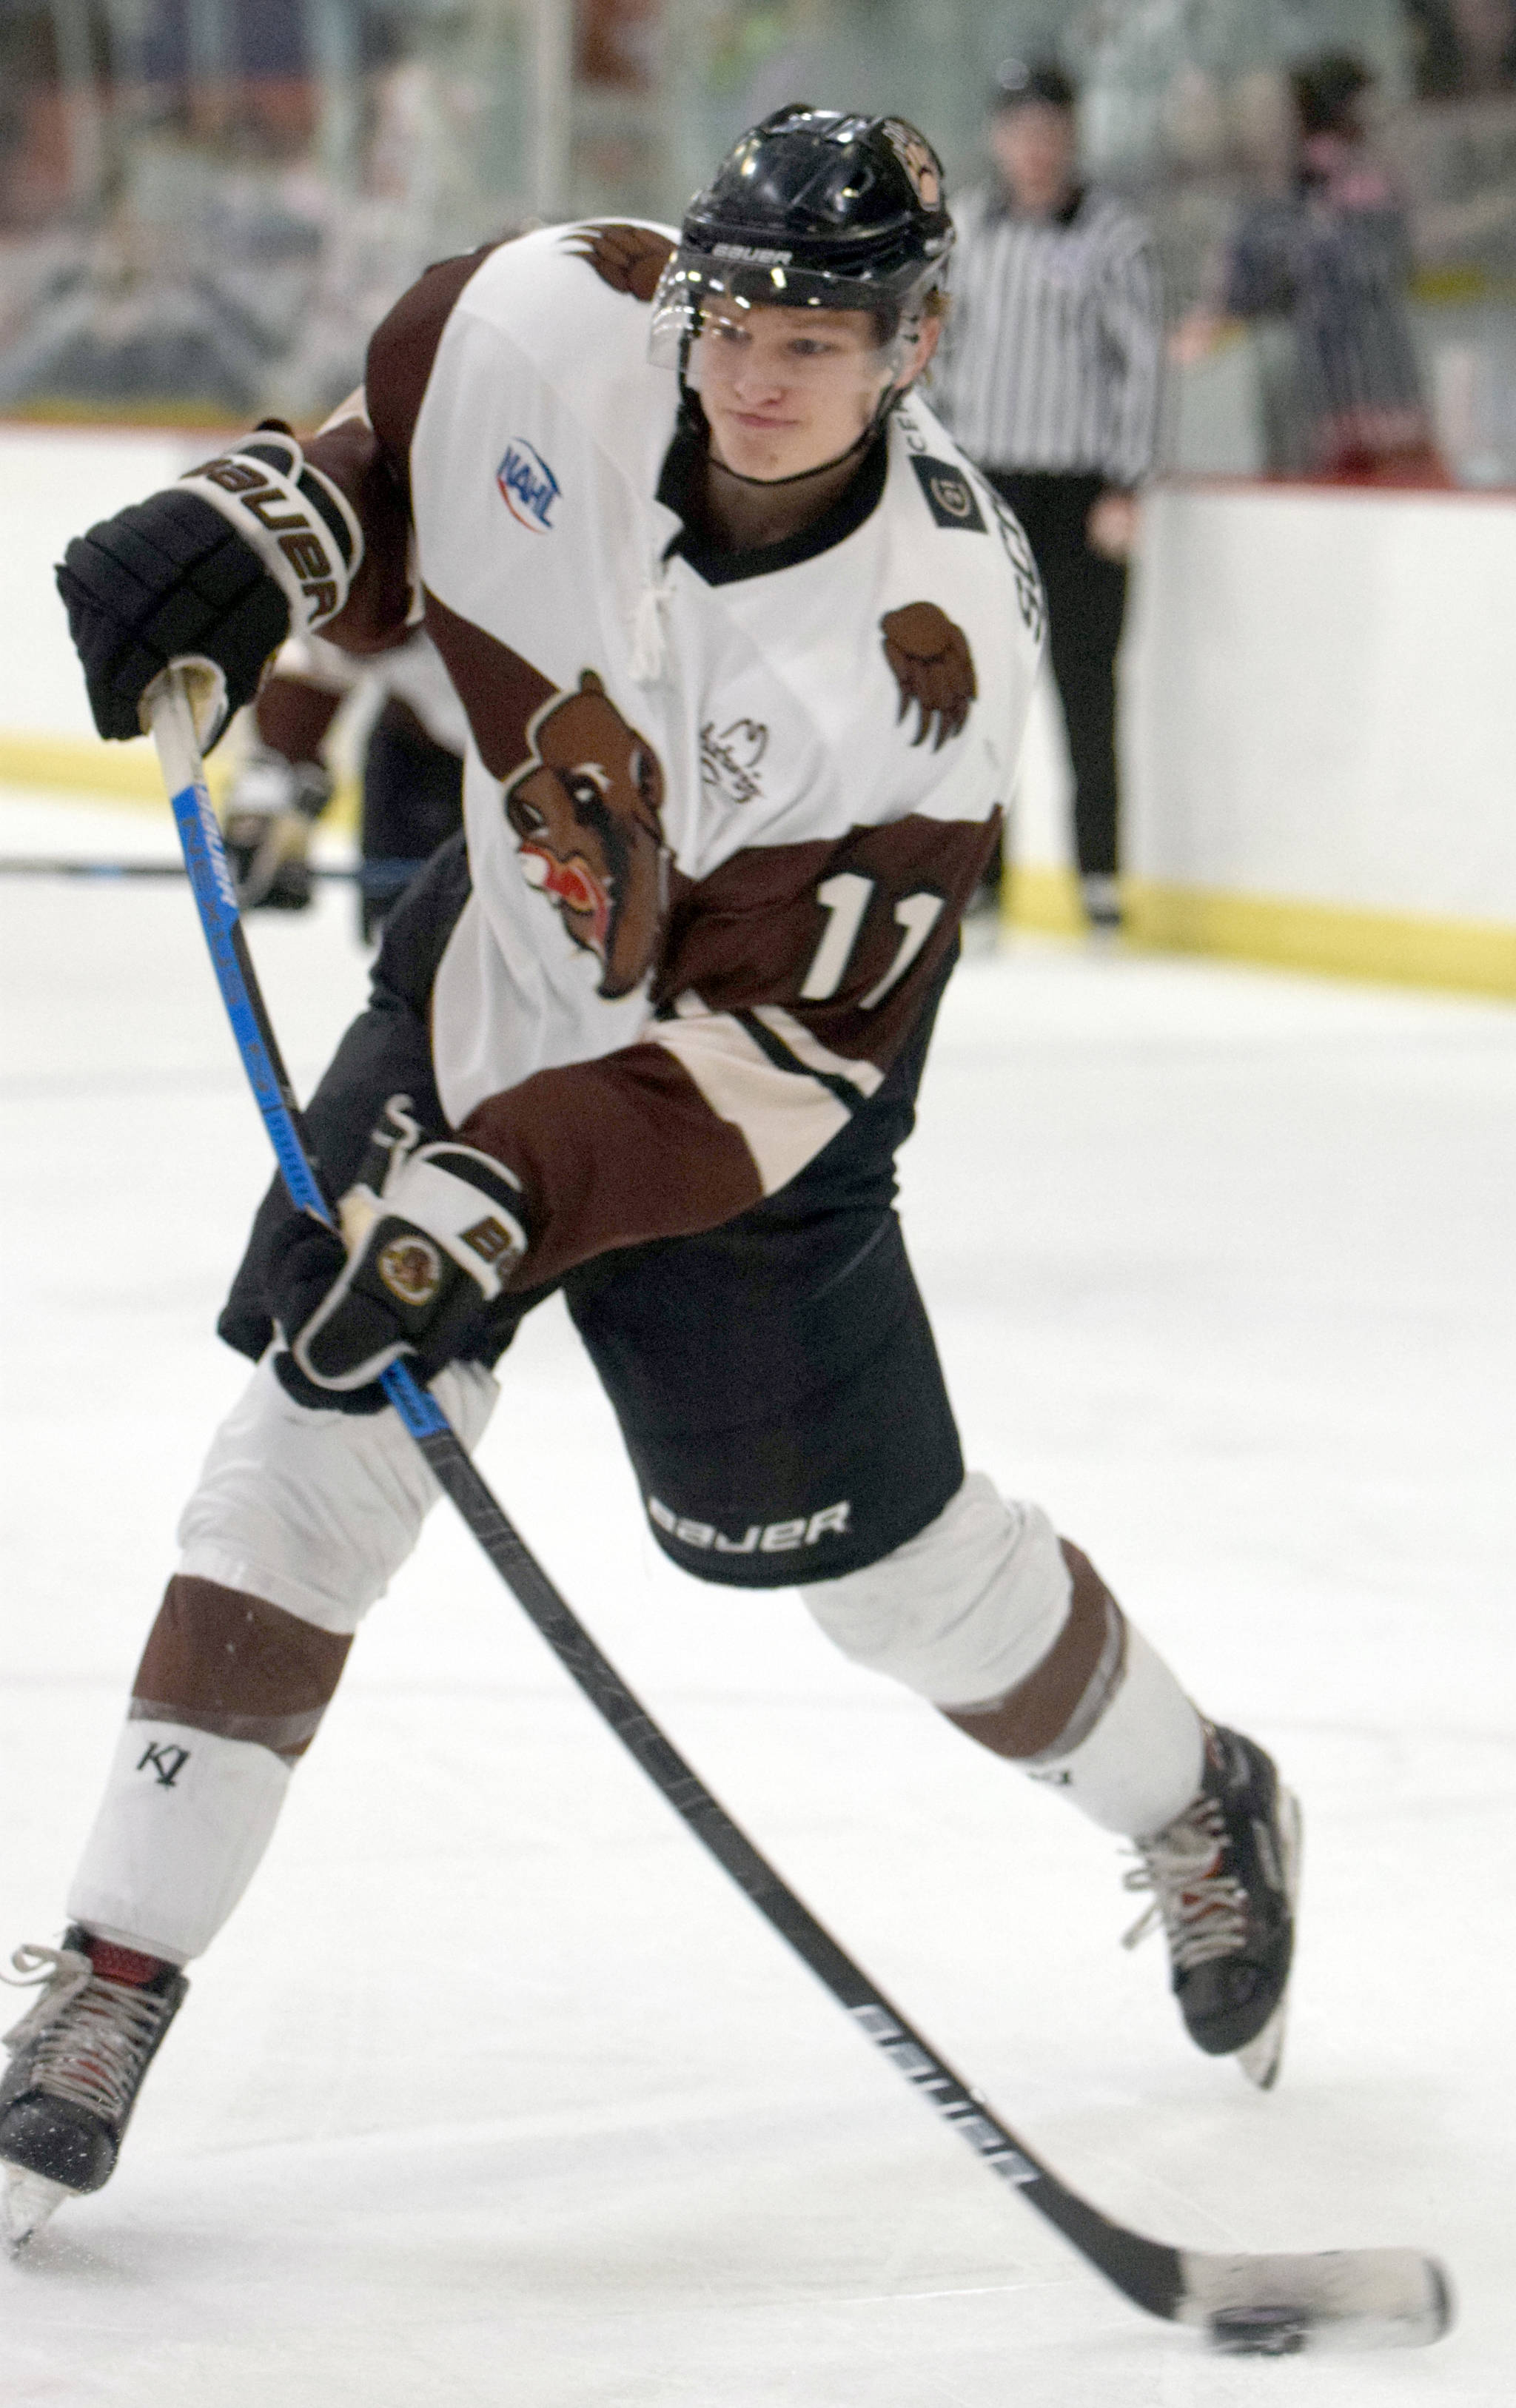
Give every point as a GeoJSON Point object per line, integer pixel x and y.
{"type": "Point", "coordinates": [678, 489]}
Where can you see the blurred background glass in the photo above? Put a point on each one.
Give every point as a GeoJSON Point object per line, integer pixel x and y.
{"type": "Point", "coordinates": [205, 205]}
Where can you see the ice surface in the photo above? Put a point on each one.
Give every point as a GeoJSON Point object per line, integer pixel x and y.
{"type": "Point", "coordinates": [493, 2091]}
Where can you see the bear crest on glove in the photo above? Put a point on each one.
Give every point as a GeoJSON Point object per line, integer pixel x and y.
{"type": "Point", "coordinates": [412, 1269]}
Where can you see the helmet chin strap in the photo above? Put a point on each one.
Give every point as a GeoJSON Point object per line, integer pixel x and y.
{"type": "Point", "coordinates": [773, 484]}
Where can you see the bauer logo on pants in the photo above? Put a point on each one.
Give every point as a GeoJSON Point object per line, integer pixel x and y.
{"type": "Point", "coordinates": [759, 1538]}
{"type": "Point", "coordinates": [412, 1269]}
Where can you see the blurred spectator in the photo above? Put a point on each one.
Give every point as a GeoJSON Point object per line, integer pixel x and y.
{"type": "Point", "coordinates": [1331, 258]}
{"type": "Point", "coordinates": [616, 42]}
{"type": "Point", "coordinates": [1050, 383]}
{"type": "Point", "coordinates": [1463, 47]}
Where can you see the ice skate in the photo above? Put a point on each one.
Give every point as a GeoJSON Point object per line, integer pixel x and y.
{"type": "Point", "coordinates": [1101, 896]}
{"type": "Point", "coordinates": [78, 2061]}
{"type": "Point", "coordinates": [1224, 1877]}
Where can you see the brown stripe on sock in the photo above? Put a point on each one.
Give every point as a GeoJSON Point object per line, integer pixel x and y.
{"type": "Point", "coordinates": [223, 1661]}
{"type": "Point", "coordinates": [1061, 1699]}
{"type": "Point", "coordinates": [287, 1735]}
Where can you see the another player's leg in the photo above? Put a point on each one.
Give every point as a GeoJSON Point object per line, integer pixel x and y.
{"type": "Point", "coordinates": [1012, 1633]}
{"type": "Point", "coordinates": [280, 790]}
{"type": "Point", "coordinates": [1086, 608]}
{"type": "Point", "coordinates": [413, 801]}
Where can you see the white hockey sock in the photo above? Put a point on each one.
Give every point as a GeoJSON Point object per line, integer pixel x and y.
{"type": "Point", "coordinates": [185, 1818]}
{"type": "Point", "coordinates": [1140, 1764]}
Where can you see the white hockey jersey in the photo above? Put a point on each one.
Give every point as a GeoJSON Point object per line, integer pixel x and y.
{"type": "Point", "coordinates": [723, 810]}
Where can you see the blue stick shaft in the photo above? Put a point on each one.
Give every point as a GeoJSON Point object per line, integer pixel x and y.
{"type": "Point", "coordinates": [210, 882]}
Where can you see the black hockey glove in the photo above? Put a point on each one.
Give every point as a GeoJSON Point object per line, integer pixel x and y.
{"type": "Point", "coordinates": [424, 1260]}
{"type": "Point", "coordinates": [215, 571]}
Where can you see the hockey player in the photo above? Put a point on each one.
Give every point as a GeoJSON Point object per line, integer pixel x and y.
{"type": "Point", "coordinates": [412, 772]}
{"type": "Point", "coordinates": [746, 650]}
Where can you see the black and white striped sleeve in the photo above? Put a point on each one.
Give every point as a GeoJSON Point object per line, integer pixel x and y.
{"type": "Point", "coordinates": [1131, 317]}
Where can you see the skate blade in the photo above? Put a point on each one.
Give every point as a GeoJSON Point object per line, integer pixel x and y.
{"type": "Point", "coordinates": [1262, 2057]}
{"type": "Point", "coordinates": [29, 2200]}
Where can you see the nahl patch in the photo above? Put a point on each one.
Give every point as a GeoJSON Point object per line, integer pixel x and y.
{"type": "Point", "coordinates": [949, 496]}
{"type": "Point", "coordinates": [527, 486]}
{"type": "Point", "coordinates": [759, 1537]}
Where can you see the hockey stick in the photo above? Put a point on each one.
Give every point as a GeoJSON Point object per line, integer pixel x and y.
{"type": "Point", "coordinates": [1258, 2305]}
{"type": "Point", "coordinates": [382, 877]}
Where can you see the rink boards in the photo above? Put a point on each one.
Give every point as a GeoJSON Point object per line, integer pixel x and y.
{"type": "Point", "coordinates": [1319, 727]}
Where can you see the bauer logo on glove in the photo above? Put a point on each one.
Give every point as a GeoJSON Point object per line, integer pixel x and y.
{"type": "Point", "coordinates": [429, 1246]}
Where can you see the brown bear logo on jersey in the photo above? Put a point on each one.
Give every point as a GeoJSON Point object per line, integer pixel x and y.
{"type": "Point", "coordinates": [586, 809]}
{"type": "Point", "coordinates": [628, 258]}
{"type": "Point", "coordinates": [933, 668]}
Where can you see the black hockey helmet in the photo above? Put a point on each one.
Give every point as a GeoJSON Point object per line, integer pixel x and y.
{"type": "Point", "coordinates": [812, 209]}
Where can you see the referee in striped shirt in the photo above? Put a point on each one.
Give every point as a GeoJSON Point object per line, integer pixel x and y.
{"type": "Point", "coordinates": [1050, 381]}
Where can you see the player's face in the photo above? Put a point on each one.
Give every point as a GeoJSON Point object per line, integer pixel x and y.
{"type": "Point", "coordinates": [788, 390]}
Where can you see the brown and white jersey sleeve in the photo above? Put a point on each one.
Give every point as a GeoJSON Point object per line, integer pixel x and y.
{"type": "Point", "coordinates": [721, 826]}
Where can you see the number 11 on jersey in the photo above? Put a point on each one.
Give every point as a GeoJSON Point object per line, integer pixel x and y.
{"type": "Point", "coordinates": [845, 899]}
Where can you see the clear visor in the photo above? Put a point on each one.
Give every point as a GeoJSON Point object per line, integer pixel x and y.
{"type": "Point", "coordinates": [705, 306]}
